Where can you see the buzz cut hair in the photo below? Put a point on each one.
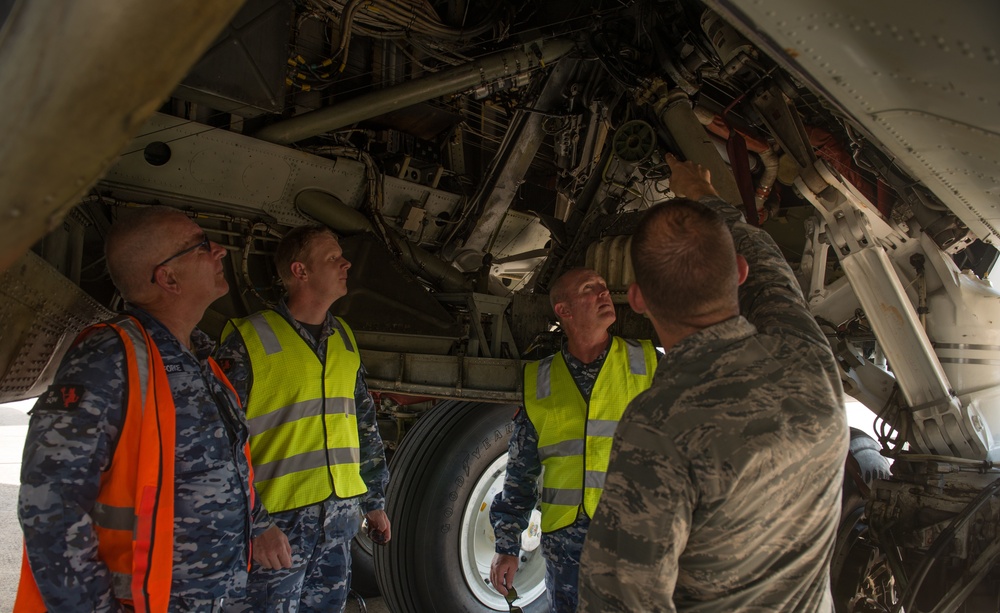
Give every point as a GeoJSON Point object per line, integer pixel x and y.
{"type": "Point", "coordinates": [126, 248]}
{"type": "Point", "coordinates": [294, 245]}
{"type": "Point", "coordinates": [685, 261]}
{"type": "Point", "coordinates": [559, 289]}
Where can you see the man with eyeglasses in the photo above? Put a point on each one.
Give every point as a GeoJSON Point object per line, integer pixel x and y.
{"type": "Point", "coordinates": [136, 486]}
{"type": "Point", "coordinates": [315, 441]}
{"type": "Point", "coordinates": [572, 403]}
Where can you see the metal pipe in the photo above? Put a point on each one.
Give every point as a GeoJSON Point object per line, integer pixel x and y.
{"type": "Point", "coordinates": [73, 98]}
{"type": "Point", "coordinates": [449, 81]}
{"type": "Point", "coordinates": [332, 211]}
{"type": "Point", "coordinates": [767, 178]}
{"type": "Point", "coordinates": [343, 219]}
{"type": "Point", "coordinates": [675, 113]}
{"type": "Point", "coordinates": [521, 143]}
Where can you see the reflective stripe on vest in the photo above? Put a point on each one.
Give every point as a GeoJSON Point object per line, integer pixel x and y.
{"type": "Point", "coordinates": [133, 517]}
{"type": "Point", "coordinates": [294, 400]}
{"type": "Point", "coordinates": [574, 438]}
{"type": "Point", "coordinates": [134, 512]}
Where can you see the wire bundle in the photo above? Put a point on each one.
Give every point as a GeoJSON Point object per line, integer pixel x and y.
{"type": "Point", "coordinates": [414, 20]}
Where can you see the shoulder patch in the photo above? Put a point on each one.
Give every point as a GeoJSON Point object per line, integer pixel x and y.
{"type": "Point", "coordinates": [61, 398]}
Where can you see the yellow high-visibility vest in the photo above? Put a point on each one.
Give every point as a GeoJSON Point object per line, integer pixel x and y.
{"type": "Point", "coordinates": [301, 412]}
{"type": "Point", "coordinates": [574, 437]}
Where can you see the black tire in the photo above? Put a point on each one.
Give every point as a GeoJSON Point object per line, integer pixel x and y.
{"type": "Point", "coordinates": [435, 474]}
{"type": "Point", "coordinates": [856, 560]}
{"type": "Point", "coordinates": [363, 579]}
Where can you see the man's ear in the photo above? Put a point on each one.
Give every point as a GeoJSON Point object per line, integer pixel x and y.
{"type": "Point", "coordinates": [165, 278]}
{"type": "Point", "coordinates": [561, 310]}
{"type": "Point", "coordinates": [636, 299]}
{"type": "Point", "coordinates": [298, 270]}
{"type": "Point", "coordinates": [742, 268]}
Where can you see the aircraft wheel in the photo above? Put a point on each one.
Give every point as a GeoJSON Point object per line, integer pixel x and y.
{"type": "Point", "coordinates": [363, 565]}
{"type": "Point", "coordinates": [444, 476]}
{"type": "Point", "coordinates": [859, 572]}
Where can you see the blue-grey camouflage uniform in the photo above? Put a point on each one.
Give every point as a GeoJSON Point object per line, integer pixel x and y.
{"type": "Point", "coordinates": [320, 534]}
{"type": "Point", "coordinates": [68, 447]}
{"type": "Point", "coordinates": [723, 491]}
{"type": "Point", "coordinates": [512, 507]}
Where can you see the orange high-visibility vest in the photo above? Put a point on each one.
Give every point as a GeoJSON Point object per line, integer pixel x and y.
{"type": "Point", "coordinates": [134, 512]}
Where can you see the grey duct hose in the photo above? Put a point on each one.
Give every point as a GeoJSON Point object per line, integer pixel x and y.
{"type": "Point", "coordinates": [675, 113]}
{"type": "Point", "coordinates": [330, 210]}
{"type": "Point", "coordinates": [449, 81]}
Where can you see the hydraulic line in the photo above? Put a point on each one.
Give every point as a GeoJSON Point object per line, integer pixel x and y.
{"type": "Point", "coordinates": [331, 211]}
{"type": "Point", "coordinates": [449, 81]}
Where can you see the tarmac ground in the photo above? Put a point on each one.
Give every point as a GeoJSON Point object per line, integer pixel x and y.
{"type": "Point", "coordinates": [13, 427]}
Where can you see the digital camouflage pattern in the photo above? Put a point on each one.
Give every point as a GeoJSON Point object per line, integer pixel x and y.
{"type": "Point", "coordinates": [320, 577]}
{"type": "Point", "coordinates": [71, 439]}
{"type": "Point", "coordinates": [562, 550]}
{"type": "Point", "coordinates": [319, 527]}
{"type": "Point", "coordinates": [723, 492]}
{"type": "Point", "coordinates": [512, 507]}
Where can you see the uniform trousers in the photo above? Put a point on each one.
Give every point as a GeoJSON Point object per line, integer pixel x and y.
{"type": "Point", "coordinates": [320, 577]}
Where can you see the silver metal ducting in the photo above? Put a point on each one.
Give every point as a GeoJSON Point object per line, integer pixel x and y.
{"type": "Point", "coordinates": [674, 111]}
{"type": "Point", "coordinates": [330, 210]}
{"type": "Point", "coordinates": [449, 81]}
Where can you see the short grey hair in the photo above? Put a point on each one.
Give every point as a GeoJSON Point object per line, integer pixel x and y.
{"type": "Point", "coordinates": [127, 248]}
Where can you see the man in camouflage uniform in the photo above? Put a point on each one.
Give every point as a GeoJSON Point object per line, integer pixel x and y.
{"type": "Point", "coordinates": [314, 271]}
{"type": "Point", "coordinates": [168, 272]}
{"type": "Point", "coordinates": [583, 306]}
{"type": "Point", "coordinates": [723, 492]}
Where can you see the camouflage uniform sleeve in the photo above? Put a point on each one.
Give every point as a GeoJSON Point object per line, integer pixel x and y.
{"type": "Point", "coordinates": [374, 471]}
{"type": "Point", "coordinates": [71, 437]}
{"type": "Point", "coordinates": [260, 518]}
{"type": "Point", "coordinates": [512, 507]}
{"type": "Point", "coordinates": [234, 360]}
{"type": "Point", "coordinates": [631, 556]}
{"type": "Point", "coordinates": [770, 298]}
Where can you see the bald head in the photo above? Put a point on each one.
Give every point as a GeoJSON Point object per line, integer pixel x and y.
{"type": "Point", "coordinates": [138, 241]}
{"type": "Point", "coordinates": [685, 264]}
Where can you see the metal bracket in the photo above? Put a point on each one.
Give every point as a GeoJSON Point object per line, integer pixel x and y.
{"type": "Point", "coordinates": [862, 240]}
{"type": "Point", "coordinates": [492, 341]}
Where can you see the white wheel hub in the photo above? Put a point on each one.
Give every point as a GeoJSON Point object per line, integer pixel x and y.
{"type": "Point", "coordinates": [477, 545]}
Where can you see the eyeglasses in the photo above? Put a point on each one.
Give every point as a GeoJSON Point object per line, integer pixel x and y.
{"type": "Point", "coordinates": [510, 598]}
{"type": "Point", "coordinates": [205, 243]}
